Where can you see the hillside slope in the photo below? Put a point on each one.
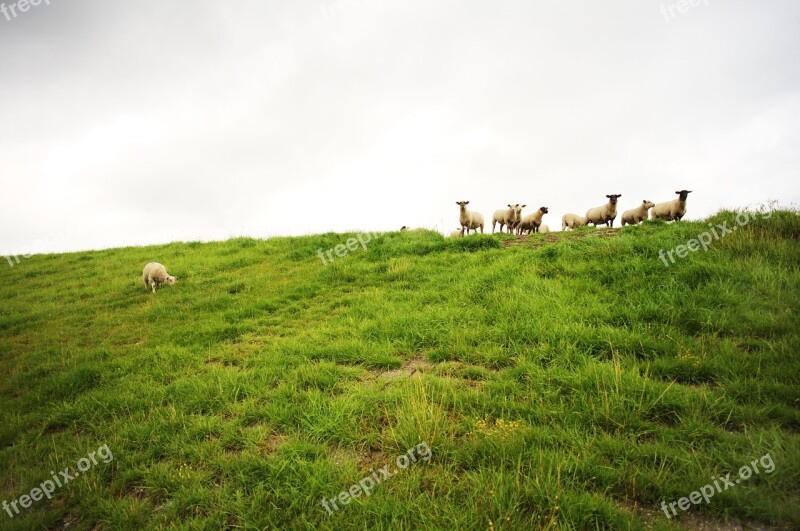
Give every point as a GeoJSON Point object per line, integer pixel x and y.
{"type": "Point", "coordinates": [575, 385]}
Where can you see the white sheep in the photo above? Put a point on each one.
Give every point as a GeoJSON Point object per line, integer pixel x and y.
{"type": "Point", "coordinates": [469, 220]}
{"type": "Point", "coordinates": [604, 214]}
{"type": "Point", "coordinates": [635, 216]}
{"type": "Point", "coordinates": [532, 222]}
{"type": "Point", "coordinates": [544, 229]}
{"type": "Point", "coordinates": [572, 221]}
{"type": "Point", "coordinates": [155, 274]}
{"type": "Point", "coordinates": [509, 217]}
{"type": "Point", "coordinates": [458, 233]}
{"type": "Point", "coordinates": [671, 210]}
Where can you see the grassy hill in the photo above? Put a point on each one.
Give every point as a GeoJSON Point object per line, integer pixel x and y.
{"type": "Point", "coordinates": [577, 384]}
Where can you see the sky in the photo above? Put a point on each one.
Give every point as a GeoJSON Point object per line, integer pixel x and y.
{"type": "Point", "coordinates": [133, 123]}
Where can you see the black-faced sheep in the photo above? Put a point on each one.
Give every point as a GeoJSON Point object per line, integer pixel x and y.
{"type": "Point", "coordinates": [671, 210]}
{"type": "Point", "coordinates": [604, 214]}
{"type": "Point", "coordinates": [531, 222]}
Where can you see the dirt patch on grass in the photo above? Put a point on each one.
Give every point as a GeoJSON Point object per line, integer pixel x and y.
{"type": "Point", "coordinates": [536, 241]}
{"type": "Point", "coordinates": [698, 523]}
{"type": "Point", "coordinates": [410, 368]}
{"type": "Point", "coordinates": [342, 456]}
{"type": "Point", "coordinates": [69, 521]}
{"type": "Point", "coordinates": [370, 459]}
{"type": "Point", "coordinates": [138, 493]}
{"type": "Point", "coordinates": [694, 521]}
{"type": "Point", "coordinates": [273, 442]}
{"type": "Point", "coordinates": [363, 460]}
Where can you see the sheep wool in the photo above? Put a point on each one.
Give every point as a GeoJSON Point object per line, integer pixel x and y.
{"type": "Point", "coordinates": [155, 274]}
{"type": "Point", "coordinates": [509, 217]}
{"type": "Point", "coordinates": [531, 222]}
{"type": "Point", "coordinates": [671, 210]}
{"type": "Point", "coordinates": [604, 214]}
{"type": "Point", "coordinates": [469, 220]}
{"type": "Point", "coordinates": [636, 215]}
{"type": "Point", "coordinates": [571, 221]}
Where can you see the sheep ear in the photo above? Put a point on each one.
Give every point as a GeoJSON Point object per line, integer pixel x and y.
{"type": "Point", "coordinates": [523, 206]}
{"type": "Point", "coordinates": [509, 206]}
{"type": "Point", "coordinates": [466, 202]}
{"type": "Point", "coordinates": [608, 196]}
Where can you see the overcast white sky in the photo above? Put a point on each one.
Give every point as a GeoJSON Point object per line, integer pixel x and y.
{"type": "Point", "coordinates": [151, 121]}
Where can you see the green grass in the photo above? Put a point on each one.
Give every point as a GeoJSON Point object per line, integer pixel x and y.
{"type": "Point", "coordinates": [574, 385]}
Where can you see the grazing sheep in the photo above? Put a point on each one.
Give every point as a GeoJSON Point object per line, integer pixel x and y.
{"type": "Point", "coordinates": [155, 274]}
{"type": "Point", "coordinates": [531, 222]}
{"type": "Point", "coordinates": [404, 228]}
{"type": "Point", "coordinates": [572, 221]}
{"type": "Point", "coordinates": [604, 214]}
{"type": "Point", "coordinates": [509, 217]}
{"type": "Point", "coordinates": [469, 220]}
{"type": "Point", "coordinates": [635, 216]}
{"type": "Point", "coordinates": [671, 210]}
{"type": "Point", "coordinates": [458, 233]}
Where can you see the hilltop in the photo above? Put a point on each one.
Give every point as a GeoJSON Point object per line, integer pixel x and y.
{"type": "Point", "coordinates": [559, 381]}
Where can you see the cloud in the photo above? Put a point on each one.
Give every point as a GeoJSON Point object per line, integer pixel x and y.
{"type": "Point", "coordinates": [147, 122]}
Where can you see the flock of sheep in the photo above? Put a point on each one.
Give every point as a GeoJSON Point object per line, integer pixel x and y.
{"type": "Point", "coordinates": [155, 274]}
{"type": "Point", "coordinates": [511, 217]}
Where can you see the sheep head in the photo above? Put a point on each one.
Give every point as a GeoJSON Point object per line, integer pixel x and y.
{"type": "Point", "coordinates": [613, 198]}
{"type": "Point", "coordinates": [516, 212]}
{"type": "Point", "coordinates": [648, 204]}
{"type": "Point", "coordinates": [683, 193]}
{"type": "Point", "coordinates": [170, 280]}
